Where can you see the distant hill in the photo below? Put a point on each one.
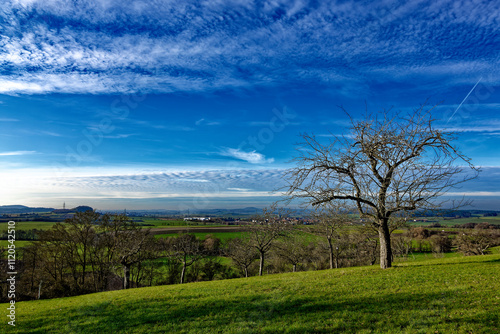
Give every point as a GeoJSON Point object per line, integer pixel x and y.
{"type": "Point", "coordinates": [243, 211]}
{"type": "Point", "coordinates": [203, 212]}
{"type": "Point", "coordinates": [22, 209]}
{"type": "Point", "coordinates": [82, 208]}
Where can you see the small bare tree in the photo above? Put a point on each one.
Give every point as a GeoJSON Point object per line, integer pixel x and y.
{"type": "Point", "coordinates": [294, 249]}
{"type": "Point", "coordinates": [242, 253]}
{"type": "Point", "coordinates": [388, 163]}
{"type": "Point", "coordinates": [266, 229]}
{"type": "Point", "coordinates": [186, 249]}
{"type": "Point", "coordinates": [330, 219]}
{"type": "Point", "coordinates": [474, 242]}
{"type": "Point", "coordinates": [134, 245]}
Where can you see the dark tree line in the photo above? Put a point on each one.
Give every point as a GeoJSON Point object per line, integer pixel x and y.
{"type": "Point", "coordinates": [93, 252]}
{"type": "Point", "coordinates": [83, 255]}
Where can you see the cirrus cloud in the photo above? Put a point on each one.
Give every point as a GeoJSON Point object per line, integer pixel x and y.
{"type": "Point", "coordinates": [102, 47]}
{"type": "Point", "coordinates": [11, 153]}
{"type": "Point", "coordinates": [252, 157]}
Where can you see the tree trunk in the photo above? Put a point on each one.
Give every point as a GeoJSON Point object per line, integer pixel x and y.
{"type": "Point", "coordinates": [295, 268]}
{"type": "Point", "coordinates": [385, 245]}
{"type": "Point", "coordinates": [126, 276]}
{"type": "Point", "coordinates": [84, 266]}
{"type": "Point", "coordinates": [40, 289]}
{"type": "Point", "coordinates": [246, 271]}
{"type": "Point", "coordinates": [261, 265]}
{"type": "Point", "coordinates": [183, 272]}
{"type": "Point", "coordinates": [330, 247]}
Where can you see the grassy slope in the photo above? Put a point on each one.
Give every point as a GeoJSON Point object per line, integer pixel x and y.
{"type": "Point", "coordinates": [453, 295]}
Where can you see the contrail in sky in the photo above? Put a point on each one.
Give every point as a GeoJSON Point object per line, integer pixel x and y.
{"type": "Point", "coordinates": [449, 119]}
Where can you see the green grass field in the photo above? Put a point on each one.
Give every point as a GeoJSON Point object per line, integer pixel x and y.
{"type": "Point", "coordinates": [161, 222]}
{"type": "Point", "coordinates": [30, 225]}
{"type": "Point", "coordinates": [223, 236]}
{"type": "Point", "coordinates": [451, 222]}
{"type": "Point", "coordinates": [155, 222]}
{"type": "Point", "coordinates": [24, 226]}
{"type": "Point", "coordinates": [19, 243]}
{"type": "Point", "coordinates": [448, 295]}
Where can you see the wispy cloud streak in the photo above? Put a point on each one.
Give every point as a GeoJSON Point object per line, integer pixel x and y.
{"type": "Point", "coordinates": [16, 153]}
{"type": "Point", "coordinates": [252, 157]}
{"type": "Point", "coordinates": [120, 47]}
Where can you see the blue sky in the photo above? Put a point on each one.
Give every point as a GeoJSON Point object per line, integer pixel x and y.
{"type": "Point", "coordinates": [198, 104]}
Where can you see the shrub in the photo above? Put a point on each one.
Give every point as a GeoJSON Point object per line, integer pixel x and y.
{"type": "Point", "coordinates": [483, 226]}
{"type": "Point", "coordinates": [474, 243]}
{"type": "Point", "coordinates": [441, 244]}
{"type": "Point", "coordinates": [419, 233]}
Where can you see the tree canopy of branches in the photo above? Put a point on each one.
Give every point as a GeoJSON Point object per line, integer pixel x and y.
{"type": "Point", "coordinates": [269, 226]}
{"type": "Point", "coordinates": [82, 255]}
{"type": "Point", "coordinates": [130, 243]}
{"type": "Point", "coordinates": [330, 220]}
{"type": "Point", "coordinates": [387, 164]}
{"type": "Point", "coordinates": [187, 250]}
{"type": "Point", "coordinates": [242, 253]}
{"type": "Point", "coordinates": [294, 249]}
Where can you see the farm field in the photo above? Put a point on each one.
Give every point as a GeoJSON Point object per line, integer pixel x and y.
{"type": "Point", "coordinates": [19, 243]}
{"type": "Point", "coordinates": [29, 225]}
{"type": "Point", "coordinates": [158, 222]}
{"type": "Point", "coordinates": [454, 221]}
{"type": "Point", "coordinates": [223, 236]}
{"type": "Point", "coordinates": [450, 295]}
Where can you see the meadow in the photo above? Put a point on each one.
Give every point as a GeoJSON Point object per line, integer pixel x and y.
{"type": "Point", "coordinates": [29, 225]}
{"type": "Point", "coordinates": [223, 236]}
{"type": "Point", "coordinates": [449, 222]}
{"type": "Point", "coordinates": [444, 295]}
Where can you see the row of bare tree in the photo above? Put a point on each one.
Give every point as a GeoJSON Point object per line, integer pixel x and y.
{"type": "Point", "coordinates": [93, 252]}
{"type": "Point", "coordinates": [82, 256]}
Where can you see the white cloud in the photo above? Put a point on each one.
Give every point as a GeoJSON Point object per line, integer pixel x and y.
{"type": "Point", "coordinates": [213, 187]}
{"type": "Point", "coordinates": [474, 193]}
{"type": "Point", "coordinates": [19, 86]}
{"type": "Point", "coordinates": [187, 45]}
{"type": "Point", "coordinates": [28, 185]}
{"type": "Point", "coordinates": [16, 153]}
{"type": "Point", "coordinates": [252, 157]}
{"type": "Point", "coordinates": [52, 134]}
{"type": "Point", "coordinates": [239, 189]}
{"type": "Point", "coordinates": [203, 121]}
{"type": "Point", "coordinates": [118, 136]}
{"type": "Point", "coordinates": [469, 125]}
{"type": "Point", "coordinates": [169, 127]}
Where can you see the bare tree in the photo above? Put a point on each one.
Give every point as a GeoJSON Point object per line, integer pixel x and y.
{"type": "Point", "coordinates": [241, 252]}
{"type": "Point", "coordinates": [80, 235]}
{"type": "Point", "coordinates": [401, 246]}
{"type": "Point", "coordinates": [330, 219]}
{"type": "Point", "coordinates": [133, 245]}
{"type": "Point", "coordinates": [363, 248]}
{"type": "Point", "coordinates": [267, 228]}
{"type": "Point", "coordinates": [186, 249]}
{"type": "Point", "coordinates": [294, 249]}
{"type": "Point", "coordinates": [388, 163]}
{"type": "Point", "coordinates": [475, 242]}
